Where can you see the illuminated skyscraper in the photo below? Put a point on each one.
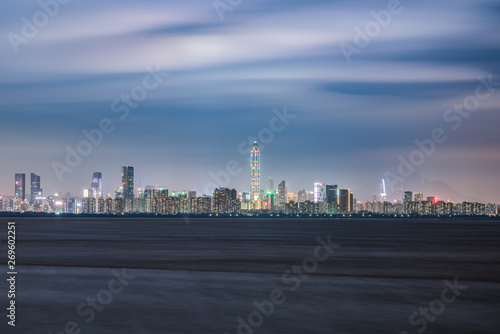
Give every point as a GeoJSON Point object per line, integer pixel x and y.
{"type": "Point", "coordinates": [96, 185]}
{"type": "Point", "coordinates": [408, 196]}
{"type": "Point", "coordinates": [20, 187]}
{"type": "Point", "coordinates": [319, 192]}
{"type": "Point", "coordinates": [128, 187]}
{"type": "Point", "coordinates": [36, 191]}
{"type": "Point", "coordinates": [255, 172]}
{"type": "Point", "coordinates": [282, 195]}
{"type": "Point", "coordinates": [332, 194]}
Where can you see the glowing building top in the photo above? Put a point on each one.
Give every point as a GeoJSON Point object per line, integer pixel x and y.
{"type": "Point", "coordinates": [255, 172]}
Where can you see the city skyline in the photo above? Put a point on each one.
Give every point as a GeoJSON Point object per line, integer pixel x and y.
{"type": "Point", "coordinates": [178, 90]}
{"type": "Point", "coordinates": [319, 192]}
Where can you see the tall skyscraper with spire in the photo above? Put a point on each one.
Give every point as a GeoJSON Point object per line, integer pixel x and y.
{"type": "Point", "coordinates": [255, 172]}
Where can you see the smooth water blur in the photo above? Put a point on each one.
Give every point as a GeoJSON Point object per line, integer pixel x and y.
{"type": "Point", "coordinates": [200, 277]}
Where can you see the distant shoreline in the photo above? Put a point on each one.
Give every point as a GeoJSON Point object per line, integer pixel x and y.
{"type": "Point", "coordinates": [241, 216]}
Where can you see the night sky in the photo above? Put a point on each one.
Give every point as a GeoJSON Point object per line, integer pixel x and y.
{"type": "Point", "coordinates": [222, 82]}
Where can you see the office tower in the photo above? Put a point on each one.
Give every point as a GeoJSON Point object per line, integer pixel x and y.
{"type": "Point", "coordinates": [20, 186]}
{"type": "Point", "coordinates": [301, 195]}
{"type": "Point", "coordinates": [282, 195]}
{"type": "Point", "coordinates": [128, 187]}
{"type": "Point", "coordinates": [96, 185]}
{"type": "Point", "coordinates": [36, 191]}
{"type": "Point", "coordinates": [331, 194]}
{"type": "Point", "coordinates": [344, 200]}
{"type": "Point", "coordinates": [255, 172]}
{"type": "Point", "coordinates": [319, 192]}
{"type": "Point", "coordinates": [419, 197]}
{"type": "Point", "coordinates": [332, 198]}
{"type": "Point", "coordinates": [432, 199]}
{"type": "Point", "coordinates": [408, 196]}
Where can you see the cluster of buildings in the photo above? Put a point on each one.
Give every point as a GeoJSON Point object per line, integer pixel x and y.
{"type": "Point", "coordinates": [324, 199]}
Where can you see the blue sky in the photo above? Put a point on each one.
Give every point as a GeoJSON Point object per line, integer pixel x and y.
{"type": "Point", "coordinates": [352, 119]}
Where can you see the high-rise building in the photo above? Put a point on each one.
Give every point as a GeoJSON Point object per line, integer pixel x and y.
{"type": "Point", "coordinates": [109, 205]}
{"type": "Point", "coordinates": [302, 195]}
{"type": "Point", "coordinates": [270, 201]}
{"type": "Point", "coordinates": [408, 196]}
{"type": "Point", "coordinates": [331, 194]}
{"type": "Point", "coordinates": [332, 198]}
{"type": "Point", "coordinates": [20, 186]}
{"type": "Point", "coordinates": [319, 192]}
{"type": "Point", "coordinates": [88, 205]}
{"type": "Point", "coordinates": [128, 187]}
{"type": "Point", "coordinates": [419, 197]}
{"type": "Point", "coordinates": [282, 195]}
{"type": "Point", "coordinates": [255, 172]}
{"type": "Point", "coordinates": [101, 208]}
{"type": "Point", "coordinates": [225, 201]}
{"type": "Point", "coordinates": [118, 206]}
{"type": "Point", "coordinates": [96, 190]}
{"type": "Point", "coordinates": [96, 185]}
{"type": "Point", "coordinates": [344, 200]}
{"type": "Point", "coordinates": [36, 191]}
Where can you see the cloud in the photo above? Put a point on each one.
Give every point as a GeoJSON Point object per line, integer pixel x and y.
{"type": "Point", "coordinates": [226, 77]}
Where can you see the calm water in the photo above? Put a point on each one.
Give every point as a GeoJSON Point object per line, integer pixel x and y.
{"type": "Point", "coordinates": [200, 277]}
